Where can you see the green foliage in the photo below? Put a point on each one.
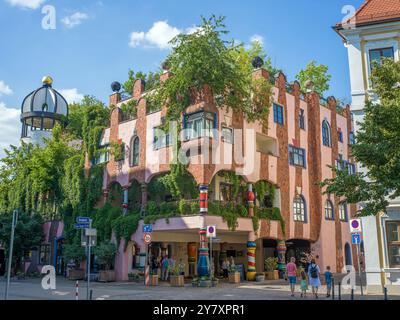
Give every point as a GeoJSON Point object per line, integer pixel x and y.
{"type": "Point", "coordinates": [28, 233]}
{"type": "Point", "coordinates": [117, 150]}
{"type": "Point", "coordinates": [270, 214]}
{"type": "Point", "coordinates": [263, 188]}
{"type": "Point", "coordinates": [105, 253]}
{"type": "Point", "coordinates": [103, 220]}
{"type": "Point", "coordinates": [376, 149]}
{"type": "Point", "coordinates": [74, 252]}
{"type": "Point", "coordinates": [271, 264]}
{"type": "Point", "coordinates": [129, 109]}
{"type": "Point", "coordinates": [125, 226]}
{"type": "Point", "coordinates": [152, 80]}
{"type": "Point", "coordinates": [318, 74]}
{"type": "Point", "coordinates": [205, 58]}
{"type": "Point", "coordinates": [230, 212]}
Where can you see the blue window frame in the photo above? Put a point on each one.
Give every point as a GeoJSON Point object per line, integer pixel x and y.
{"type": "Point", "coordinates": [297, 156]}
{"type": "Point", "coordinates": [340, 136]}
{"type": "Point", "coordinates": [278, 114]}
{"type": "Point", "coordinates": [326, 134]}
{"type": "Point", "coordinates": [352, 139]}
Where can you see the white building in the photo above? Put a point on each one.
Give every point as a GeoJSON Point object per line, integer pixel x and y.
{"type": "Point", "coordinates": [372, 33]}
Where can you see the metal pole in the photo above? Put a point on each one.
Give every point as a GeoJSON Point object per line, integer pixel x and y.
{"type": "Point", "coordinates": [352, 294]}
{"type": "Point", "coordinates": [88, 265]}
{"type": "Point", "coordinates": [340, 290]}
{"type": "Point", "coordinates": [385, 293]}
{"type": "Point", "coordinates": [9, 262]}
{"type": "Point", "coordinates": [333, 288]}
{"type": "Point", "coordinates": [359, 268]}
{"type": "Point", "coordinates": [211, 255]}
{"type": "Point", "coordinates": [77, 290]}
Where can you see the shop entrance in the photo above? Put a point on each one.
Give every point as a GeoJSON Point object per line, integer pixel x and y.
{"type": "Point", "coordinates": [2, 263]}
{"type": "Point", "coordinates": [299, 249]}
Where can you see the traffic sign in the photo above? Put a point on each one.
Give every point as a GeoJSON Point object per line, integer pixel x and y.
{"type": "Point", "coordinates": [82, 226]}
{"type": "Point", "coordinates": [355, 226]}
{"type": "Point", "coordinates": [211, 232]}
{"type": "Point", "coordinates": [148, 228]}
{"type": "Point", "coordinates": [83, 220]}
{"type": "Point", "coordinates": [356, 238]}
{"type": "Point", "coordinates": [147, 238]}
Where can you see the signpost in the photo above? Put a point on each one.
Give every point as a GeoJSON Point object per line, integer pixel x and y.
{"type": "Point", "coordinates": [147, 228]}
{"type": "Point", "coordinates": [9, 262]}
{"type": "Point", "coordinates": [212, 234]}
{"type": "Point", "coordinates": [88, 240]}
{"type": "Point", "coordinates": [147, 241]}
{"type": "Point", "coordinates": [356, 229]}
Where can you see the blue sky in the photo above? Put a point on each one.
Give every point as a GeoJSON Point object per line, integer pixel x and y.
{"type": "Point", "coordinates": [96, 42]}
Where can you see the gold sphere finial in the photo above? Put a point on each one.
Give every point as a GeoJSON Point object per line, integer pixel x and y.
{"type": "Point", "coordinates": [47, 80]}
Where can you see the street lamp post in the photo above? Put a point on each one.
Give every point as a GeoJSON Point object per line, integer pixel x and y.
{"type": "Point", "coordinates": [9, 262]}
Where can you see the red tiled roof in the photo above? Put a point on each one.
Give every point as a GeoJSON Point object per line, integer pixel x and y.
{"type": "Point", "coordinates": [377, 11]}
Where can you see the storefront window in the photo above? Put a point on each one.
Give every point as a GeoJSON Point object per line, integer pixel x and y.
{"type": "Point", "coordinates": [393, 243]}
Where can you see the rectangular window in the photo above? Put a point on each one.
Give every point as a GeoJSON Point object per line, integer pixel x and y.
{"type": "Point", "coordinates": [393, 243]}
{"type": "Point", "coordinates": [352, 138]}
{"type": "Point", "coordinates": [340, 136]}
{"type": "Point", "coordinates": [297, 156]}
{"type": "Point", "coordinates": [302, 123]}
{"type": "Point", "coordinates": [103, 155]}
{"type": "Point", "coordinates": [161, 139]}
{"type": "Point", "coordinates": [200, 124]}
{"type": "Point", "coordinates": [227, 135]}
{"type": "Point", "coordinates": [278, 114]}
{"type": "Point", "coordinates": [44, 254]}
{"type": "Point", "coordinates": [376, 55]}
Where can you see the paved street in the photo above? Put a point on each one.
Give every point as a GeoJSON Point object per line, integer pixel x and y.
{"type": "Point", "coordinates": [30, 289]}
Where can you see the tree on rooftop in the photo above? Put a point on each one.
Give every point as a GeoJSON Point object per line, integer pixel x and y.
{"type": "Point", "coordinates": [318, 74]}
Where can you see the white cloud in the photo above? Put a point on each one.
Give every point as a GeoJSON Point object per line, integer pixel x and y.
{"type": "Point", "coordinates": [257, 38]}
{"type": "Point", "coordinates": [74, 20]}
{"type": "Point", "coordinates": [10, 127]}
{"type": "Point", "coordinates": [26, 4]}
{"type": "Point", "coordinates": [157, 36]}
{"type": "Point", "coordinates": [4, 88]}
{"type": "Point", "coordinates": [72, 95]}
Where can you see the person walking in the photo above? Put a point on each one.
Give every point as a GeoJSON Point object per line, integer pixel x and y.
{"type": "Point", "coordinates": [291, 270]}
{"type": "Point", "coordinates": [303, 283]}
{"type": "Point", "coordinates": [164, 268]}
{"type": "Point", "coordinates": [313, 276]}
{"type": "Point", "coordinates": [328, 281]}
{"type": "Point", "coordinates": [181, 267]}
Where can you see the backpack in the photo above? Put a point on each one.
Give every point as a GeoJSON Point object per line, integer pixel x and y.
{"type": "Point", "coordinates": [314, 271]}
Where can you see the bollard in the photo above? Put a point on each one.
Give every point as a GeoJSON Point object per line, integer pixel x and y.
{"type": "Point", "coordinates": [340, 290]}
{"type": "Point", "coordinates": [91, 294]}
{"type": "Point", "coordinates": [333, 289]}
{"type": "Point", "coordinates": [352, 294]}
{"type": "Point", "coordinates": [385, 293]}
{"type": "Point", "coordinates": [77, 290]}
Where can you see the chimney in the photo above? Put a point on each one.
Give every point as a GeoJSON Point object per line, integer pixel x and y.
{"type": "Point", "coordinates": [114, 99]}
{"type": "Point", "coordinates": [138, 89]}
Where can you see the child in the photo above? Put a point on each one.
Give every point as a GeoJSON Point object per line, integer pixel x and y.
{"type": "Point", "coordinates": [328, 280]}
{"type": "Point", "coordinates": [303, 284]}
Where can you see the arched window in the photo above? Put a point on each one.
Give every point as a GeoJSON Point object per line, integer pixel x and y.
{"type": "Point", "coordinates": [343, 211]}
{"type": "Point", "coordinates": [329, 210]}
{"type": "Point", "coordinates": [135, 147]}
{"type": "Point", "coordinates": [326, 134]}
{"type": "Point", "coordinates": [299, 209]}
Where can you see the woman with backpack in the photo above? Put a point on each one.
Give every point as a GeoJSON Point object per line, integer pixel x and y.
{"type": "Point", "coordinates": [313, 276]}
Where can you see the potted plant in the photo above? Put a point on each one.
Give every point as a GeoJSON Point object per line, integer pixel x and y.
{"type": "Point", "coordinates": [154, 278]}
{"type": "Point", "coordinates": [132, 276]}
{"type": "Point", "coordinates": [195, 282]}
{"type": "Point", "coordinates": [205, 282]}
{"type": "Point", "coordinates": [271, 265]}
{"type": "Point", "coordinates": [105, 253]}
{"type": "Point", "coordinates": [260, 277]}
{"type": "Point", "coordinates": [176, 279]}
{"type": "Point", "coordinates": [234, 275]}
{"type": "Point", "coordinates": [75, 254]}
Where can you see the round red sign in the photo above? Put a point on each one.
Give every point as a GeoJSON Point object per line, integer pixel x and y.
{"type": "Point", "coordinates": [147, 238]}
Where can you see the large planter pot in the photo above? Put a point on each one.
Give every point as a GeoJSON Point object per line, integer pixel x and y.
{"type": "Point", "coordinates": [106, 276]}
{"type": "Point", "coordinates": [272, 275]}
{"type": "Point", "coordinates": [205, 283]}
{"type": "Point", "coordinates": [76, 274]}
{"type": "Point", "coordinates": [177, 281]}
{"type": "Point", "coordinates": [215, 282]}
{"type": "Point", "coordinates": [154, 280]}
{"type": "Point", "coordinates": [234, 277]}
{"type": "Point", "coordinates": [260, 277]}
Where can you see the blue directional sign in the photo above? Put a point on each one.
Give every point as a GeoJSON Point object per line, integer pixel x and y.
{"type": "Point", "coordinates": [82, 226]}
{"type": "Point", "coordinates": [147, 228]}
{"type": "Point", "coordinates": [83, 220]}
{"type": "Point", "coordinates": [356, 238]}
